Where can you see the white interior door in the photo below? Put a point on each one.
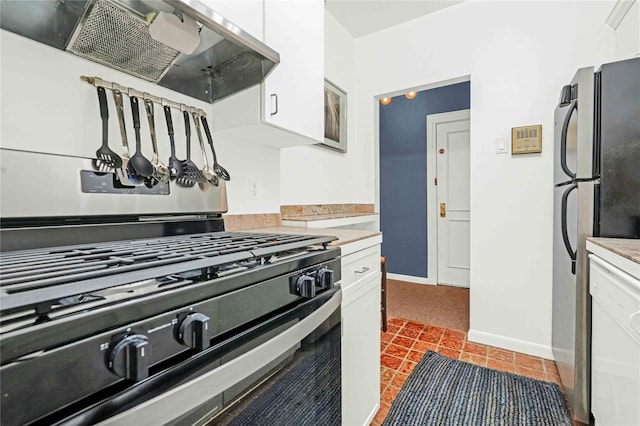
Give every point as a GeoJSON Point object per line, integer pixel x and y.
{"type": "Point", "coordinates": [453, 201]}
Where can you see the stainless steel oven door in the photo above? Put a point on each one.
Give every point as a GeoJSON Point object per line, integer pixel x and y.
{"type": "Point", "coordinates": [285, 372]}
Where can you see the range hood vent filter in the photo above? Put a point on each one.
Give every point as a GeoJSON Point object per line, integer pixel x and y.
{"type": "Point", "coordinates": [119, 39]}
{"type": "Point", "coordinates": [116, 33]}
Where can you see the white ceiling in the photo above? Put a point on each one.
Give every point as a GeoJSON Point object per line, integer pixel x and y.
{"type": "Point", "coordinates": [362, 17]}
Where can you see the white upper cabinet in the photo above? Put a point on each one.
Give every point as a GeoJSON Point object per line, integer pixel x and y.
{"type": "Point", "coordinates": [293, 93]}
{"type": "Point", "coordinates": [288, 108]}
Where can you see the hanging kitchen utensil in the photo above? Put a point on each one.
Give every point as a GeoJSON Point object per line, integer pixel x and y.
{"type": "Point", "coordinates": [127, 174]}
{"type": "Point", "coordinates": [190, 172]}
{"type": "Point", "coordinates": [175, 165]}
{"type": "Point", "coordinates": [160, 171]}
{"type": "Point", "coordinates": [206, 170]}
{"type": "Point", "coordinates": [220, 171]}
{"type": "Point", "coordinates": [107, 159]}
{"type": "Point", "coordinates": [140, 164]}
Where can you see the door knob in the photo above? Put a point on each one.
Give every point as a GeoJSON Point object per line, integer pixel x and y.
{"type": "Point", "coordinates": [443, 210]}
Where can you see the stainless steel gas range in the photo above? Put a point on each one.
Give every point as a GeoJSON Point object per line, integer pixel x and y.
{"type": "Point", "coordinates": [129, 304]}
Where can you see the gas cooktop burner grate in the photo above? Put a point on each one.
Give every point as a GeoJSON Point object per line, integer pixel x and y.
{"type": "Point", "coordinates": [38, 276]}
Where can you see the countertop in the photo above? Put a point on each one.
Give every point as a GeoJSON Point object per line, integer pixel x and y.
{"type": "Point", "coordinates": [328, 216]}
{"type": "Point", "coordinates": [345, 236]}
{"type": "Point", "coordinates": [627, 248]}
{"type": "Point", "coordinates": [621, 253]}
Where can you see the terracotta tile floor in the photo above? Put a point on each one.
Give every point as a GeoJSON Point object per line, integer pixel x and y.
{"type": "Point", "coordinates": [405, 342]}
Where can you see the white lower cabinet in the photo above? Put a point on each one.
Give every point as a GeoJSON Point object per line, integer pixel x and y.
{"type": "Point", "coordinates": [615, 349]}
{"type": "Point", "coordinates": [360, 334]}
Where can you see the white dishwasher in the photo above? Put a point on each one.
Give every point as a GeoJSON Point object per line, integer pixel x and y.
{"type": "Point", "coordinates": [615, 351]}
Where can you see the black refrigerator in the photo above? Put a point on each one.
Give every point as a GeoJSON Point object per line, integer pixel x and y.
{"type": "Point", "coordinates": [596, 193]}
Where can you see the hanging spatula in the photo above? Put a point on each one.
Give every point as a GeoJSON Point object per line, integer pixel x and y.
{"type": "Point", "coordinates": [107, 160]}
{"type": "Point", "coordinates": [191, 174]}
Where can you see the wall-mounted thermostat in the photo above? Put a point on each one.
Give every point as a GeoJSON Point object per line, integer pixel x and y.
{"type": "Point", "coordinates": [526, 140]}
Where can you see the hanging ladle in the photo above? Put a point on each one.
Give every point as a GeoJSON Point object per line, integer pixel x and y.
{"type": "Point", "coordinates": [175, 165]}
{"type": "Point", "coordinates": [140, 164]}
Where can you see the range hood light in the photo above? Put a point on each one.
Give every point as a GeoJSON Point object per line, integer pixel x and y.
{"type": "Point", "coordinates": [181, 35]}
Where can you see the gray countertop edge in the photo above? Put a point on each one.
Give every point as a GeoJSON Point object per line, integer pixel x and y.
{"type": "Point", "coordinates": [345, 236]}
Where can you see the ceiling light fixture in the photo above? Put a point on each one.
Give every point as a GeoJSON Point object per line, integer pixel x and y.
{"type": "Point", "coordinates": [385, 101]}
{"type": "Point", "coordinates": [410, 95]}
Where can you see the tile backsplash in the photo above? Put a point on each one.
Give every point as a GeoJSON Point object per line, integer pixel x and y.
{"type": "Point", "coordinates": [324, 209]}
{"type": "Point", "coordinates": [241, 222]}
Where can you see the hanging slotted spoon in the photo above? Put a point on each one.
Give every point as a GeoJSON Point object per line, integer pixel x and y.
{"type": "Point", "coordinates": [190, 173]}
{"type": "Point", "coordinates": [220, 171]}
{"type": "Point", "coordinates": [206, 170]}
{"type": "Point", "coordinates": [107, 159]}
{"type": "Point", "coordinates": [160, 171]}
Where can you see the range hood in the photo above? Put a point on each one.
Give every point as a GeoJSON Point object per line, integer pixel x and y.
{"type": "Point", "coordinates": [179, 44]}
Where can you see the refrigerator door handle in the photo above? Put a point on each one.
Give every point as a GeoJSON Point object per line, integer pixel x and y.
{"type": "Point", "coordinates": [565, 235]}
{"type": "Point", "coordinates": [563, 139]}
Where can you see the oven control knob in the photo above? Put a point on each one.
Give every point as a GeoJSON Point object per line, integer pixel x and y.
{"type": "Point", "coordinates": [306, 286]}
{"type": "Point", "coordinates": [324, 278]}
{"type": "Point", "coordinates": [193, 331]}
{"type": "Point", "coordinates": [129, 358]}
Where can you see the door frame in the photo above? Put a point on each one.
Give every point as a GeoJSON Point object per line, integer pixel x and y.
{"type": "Point", "coordinates": [432, 196]}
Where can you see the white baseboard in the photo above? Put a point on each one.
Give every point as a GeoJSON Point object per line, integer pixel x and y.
{"type": "Point", "coordinates": [372, 415]}
{"type": "Point", "coordinates": [411, 279]}
{"type": "Point", "coordinates": [517, 345]}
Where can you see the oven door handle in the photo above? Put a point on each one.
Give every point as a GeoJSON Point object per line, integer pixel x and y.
{"type": "Point", "coordinates": [191, 395]}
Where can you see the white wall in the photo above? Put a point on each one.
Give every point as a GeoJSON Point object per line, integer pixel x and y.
{"type": "Point", "coordinates": [628, 33]}
{"type": "Point", "coordinates": [47, 108]}
{"type": "Point", "coordinates": [315, 175]}
{"type": "Point", "coordinates": [519, 55]}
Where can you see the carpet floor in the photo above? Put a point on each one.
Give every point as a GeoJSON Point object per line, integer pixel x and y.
{"type": "Point", "coordinates": [438, 305]}
{"type": "Point", "coordinates": [406, 342]}
{"type": "Point", "coordinates": [442, 391]}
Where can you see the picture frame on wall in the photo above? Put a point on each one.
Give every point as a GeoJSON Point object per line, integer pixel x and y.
{"type": "Point", "coordinates": [335, 117]}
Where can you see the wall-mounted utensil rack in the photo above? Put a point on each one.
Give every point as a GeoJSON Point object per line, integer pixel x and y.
{"type": "Point", "coordinates": [129, 91]}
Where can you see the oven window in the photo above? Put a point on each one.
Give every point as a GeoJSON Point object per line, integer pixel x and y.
{"type": "Point", "coordinates": [304, 389]}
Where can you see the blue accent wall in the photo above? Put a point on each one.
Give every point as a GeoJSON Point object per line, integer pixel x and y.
{"type": "Point", "coordinates": [403, 174]}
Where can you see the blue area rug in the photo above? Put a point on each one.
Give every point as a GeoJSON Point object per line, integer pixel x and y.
{"type": "Point", "coordinates": [442, 391]}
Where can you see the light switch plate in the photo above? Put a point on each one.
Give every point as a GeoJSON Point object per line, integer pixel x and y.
{"type": "Point", "coordinates": [501, 145]}
{"type": "Point", "coordinates": [253, 190]}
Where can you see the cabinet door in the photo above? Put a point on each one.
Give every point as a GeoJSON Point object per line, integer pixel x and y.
{"type": "Point", "coordinates": [361, 352]}
{"type": "Point", "coordinates": [293, 96]}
